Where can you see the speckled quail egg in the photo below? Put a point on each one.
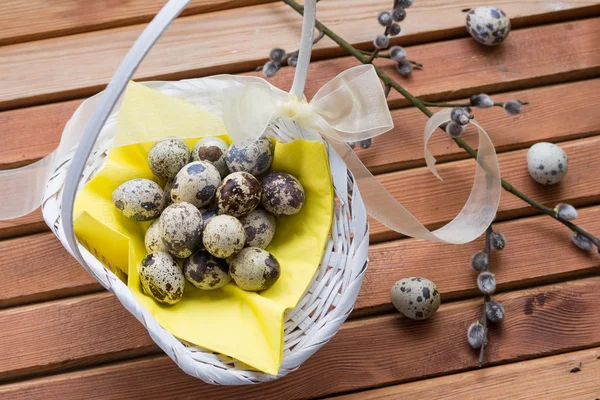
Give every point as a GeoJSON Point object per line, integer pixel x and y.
{"type": "Point", "coordinates": [213, 150]}
{"type": "Point", "coordinates": [488, 25]}
{"type": "Point", "coordinates": [254, 269]}
{"type": "Point", "coordinates": [153, 240]}
{"type": "Point", "coordinates": [282, 194]}
{"type": "Point", "coordinates": [206, 272]}
{"type": "Point", "coordinates": [224, 236]}
{"type": "Point", "coordinates": [139, 199]}
{"type": "Point", "coordinates": [547, 163]}
{"type": "Point", "coordinates": [238, 194]}
{"type": "Point", "coordinates": [181, 229]}
{"type": "Point", "coordinates": [416, 298]}
{"type": "Point", "coordinates": [196, 183]}
{"type": "Point", "coordinates": [252, 157]}
{"type": "Point", "coordinates": [207, 215]}
{"type": "Point", "coordinates": [161, 278]}
{"type": "Point", "coordinates": [260, 228]}
{"type": "Point", "coordinates": [167, 157]}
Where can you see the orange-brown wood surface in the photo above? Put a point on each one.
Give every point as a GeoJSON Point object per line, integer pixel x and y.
{"type": "Point", "coordinates": [365, 353]}
{"type": "Point", "coordinates": [572, 376]}
{"type": "Point", "coordinates": [64, 337]}
{"type": "Point", "coordinates": [66, 67]}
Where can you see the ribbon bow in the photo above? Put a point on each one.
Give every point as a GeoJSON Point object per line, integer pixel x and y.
{"type": "Point", "coordinates": [353, 107]}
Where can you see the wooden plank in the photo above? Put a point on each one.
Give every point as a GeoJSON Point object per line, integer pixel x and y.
{"type": "Point", "coordinates": [70, 67]}
{"type": "Point", "coordinates": [26, 225]}
{"type": "Point", "coordinates": [41, 19]}
{"type": "Point", "coordinates": [561, 318]}
{"type": "Point", "coordinates": [555, 113]}
{"type": "Point", "coordinates": [572, 376]}
{"type": "Point", "coordinates": [580, 187]}
{"type": "Point", "coordinates": [435, 202]}
{"type": "Point", "coordinates": [539, 251]}
{"type": "Point", "coordinates": [37, 268]}
{"type": "Point", "coordinates": [525, 263]}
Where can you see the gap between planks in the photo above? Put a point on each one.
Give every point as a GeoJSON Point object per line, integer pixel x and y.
{"type": "Point", "coordinates": [54, 66]}
{"type": "Point", "coordinates": [562, 318]}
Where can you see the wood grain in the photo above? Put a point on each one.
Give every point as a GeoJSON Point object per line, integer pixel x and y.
{"type": "Point", "coordinates": [365, 353]}
{"type": "Point", "coordinates": [31, 223]}
{"type": "Point", "coordinates": [524, 263]}
{"type": "Point", "coordinates": [555, 113]}
{"type": "Point", "coordinates": [572, 376]}
{"type": "Point", "coordinates": [580, 187]}
{"type": "Point", "coordinates": [435, 202]}
{"type": "Point", "coordinates": [538, 251]}
{"type": "Point", "coordinates": [80, 65]}
{"type": "Point", "coordinates": [38, 268]}
{"type": "Point", "coordinates": [23, 20]}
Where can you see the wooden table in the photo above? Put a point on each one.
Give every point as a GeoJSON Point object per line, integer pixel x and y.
{"type": "Point", "coordinates": [63, 337]}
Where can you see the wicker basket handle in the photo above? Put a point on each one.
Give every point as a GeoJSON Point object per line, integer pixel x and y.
{"type": "Point", "coordinates": [118, 83]}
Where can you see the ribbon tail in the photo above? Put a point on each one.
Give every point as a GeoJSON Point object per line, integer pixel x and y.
{"type": "Point", "coordinates": [477, 214]}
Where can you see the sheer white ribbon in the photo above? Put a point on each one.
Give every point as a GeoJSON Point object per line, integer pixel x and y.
{"type": "Point", "coordinates": [352, 107]}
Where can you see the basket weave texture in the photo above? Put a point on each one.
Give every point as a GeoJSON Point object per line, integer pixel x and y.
{"type": "Point", "coordinates": [324, 307]}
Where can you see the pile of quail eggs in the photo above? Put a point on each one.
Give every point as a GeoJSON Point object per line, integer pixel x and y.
{"type": "Point", "coordinates": [213, 218]}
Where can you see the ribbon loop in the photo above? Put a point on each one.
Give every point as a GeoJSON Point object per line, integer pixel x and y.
{"type": "Point", "coordinates": [353, 107]}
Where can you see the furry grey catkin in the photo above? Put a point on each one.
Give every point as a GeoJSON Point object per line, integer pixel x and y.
{"type": "Point", "coordinates": [455, 130]}
{"type": "Point", "coordinates": [398, 14]}
{"type": "Point", "coordinates": [486, 282]}
{"type": "Point", "coordinates": [513, 107]}
{"type": "Point", "coordinates": [381, 42]}
{"type": "Point", "coordinates": [277, 54]}
{"type": "Point", "coordinates": [460, 115]}
{"type": "Point", "coordinates": [384, 18]}
{"type": "Point", "coordinates": [479, 261]}
{"type": "Point", "coordinates": [270, 68]}
{"type": "Point", "coordinates": [476, 335]}
{"type": "Point", "coordinates": [292, 60]}
{"type": "Point", "coordinates": [494, 311]}
{"type": "Point", "coordinates": [397, 53]}
{"type": "Point", "coordinates": [565, 211]}
{"type": "Point", "coordinates": [394, 29]}
{"type": "Point", "coordinates": [497, 240]}
{"type": "Point", "coordinates": [582, 242]}
{"type": "Point", "coordinates": [405, 68]}
{"type": "Point", "coordinates": [481, 101]}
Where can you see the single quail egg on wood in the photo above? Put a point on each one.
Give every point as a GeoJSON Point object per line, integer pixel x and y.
{"type": "Point", "coordinates": [161, 278]}
{"type": "Point", "coordinates": [282, 194]}
{"type": "Point", "coordinates": [488, 25]}
{"type": "Point", "coordinates": [259, 226]}
{"type": "Point", "coordinates": [547, 163]}
{"type": "Point", "coordinates": [153, 240]}
{"type": "Point", "coordinates": [139, 199]}
{"type": "Point", "coordinates": [167, 157]}
{"type": "Point", "coordinates": [181, 229]}
{"type": "Point", "coordinates": [223, 236]}
{"type": "Point", "coordinates": [206, 272]}
{"type": "Point", "coordinates": [254, 158]}
{"type": "Point", "coordinates": [213, 150]}
{"type": "Point", "coordinates": [238, 194]}
{"type": "Point", "coordinates": [254, 269]}
{"type": "Point", "coordinates": [196, 183]}
{"type": "Point", "coordinates": [416, 298]}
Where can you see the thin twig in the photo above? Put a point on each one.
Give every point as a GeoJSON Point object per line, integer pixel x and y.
{"type": "Point", "coordinates": [387, 56]}
{"type": "Point", "coordinates": [486, 297]}
{"type": "Point", "coordinates": [387, 80]}
{"type": "Point", "coordinates": [434, 104]}
{"type": "Point", "coordinates": [315, 41]}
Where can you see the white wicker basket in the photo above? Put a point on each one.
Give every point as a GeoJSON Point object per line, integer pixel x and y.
{"type": "Point", "coordinates": [323, 308]}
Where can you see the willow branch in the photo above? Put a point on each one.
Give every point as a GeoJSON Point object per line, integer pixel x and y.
{"type": "Point", "coordinates": [418, 103]}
